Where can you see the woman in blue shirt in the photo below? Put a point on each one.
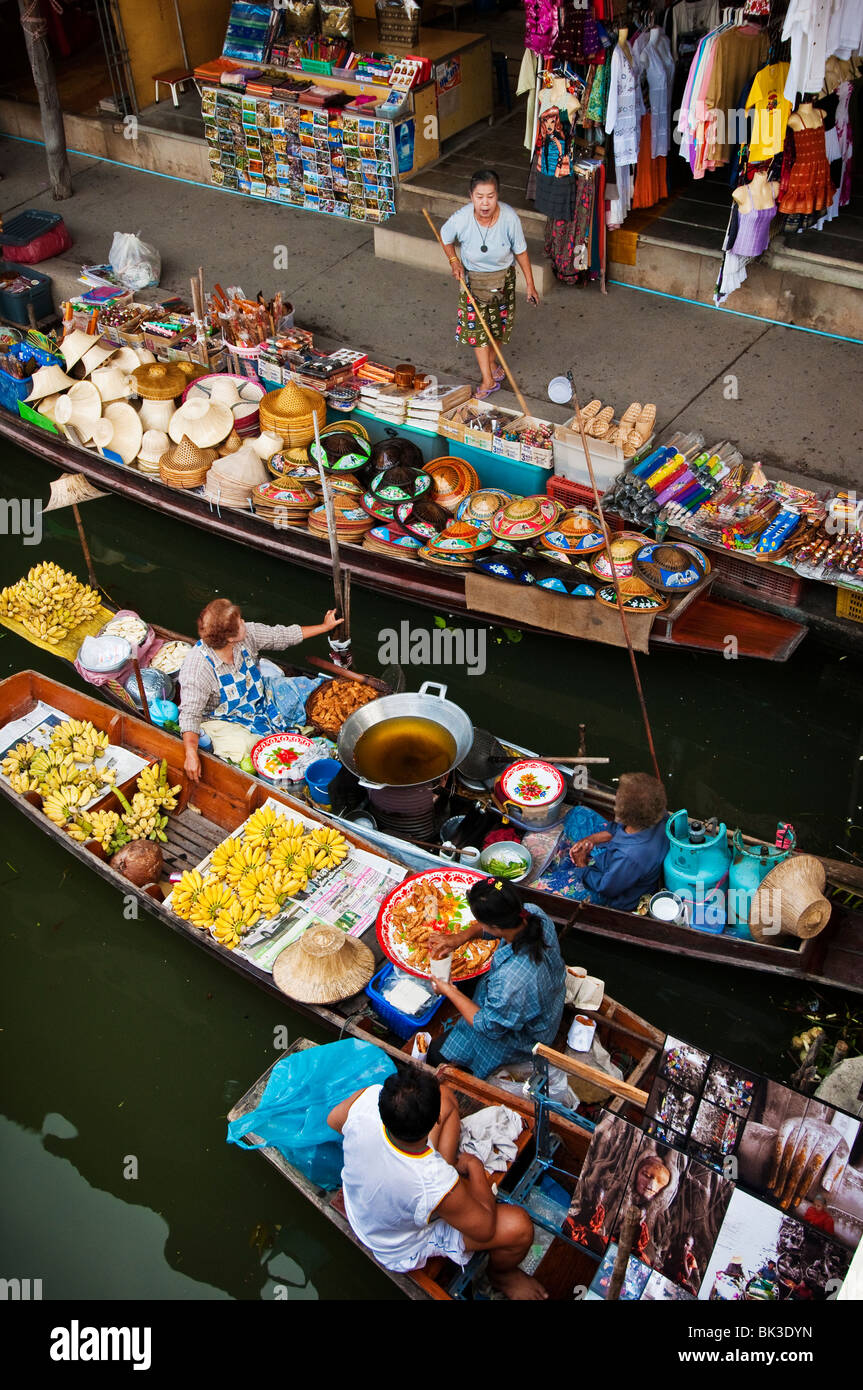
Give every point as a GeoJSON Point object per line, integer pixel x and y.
{"type": "Point", "coordinates": [612, 863]}
{"type": "Point", "coordinates": [520, 1000]}
{"type": "Point", "coordinates": [490, 239]}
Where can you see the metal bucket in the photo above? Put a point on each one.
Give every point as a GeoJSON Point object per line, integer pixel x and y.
{"type": "Point", "coordinates": [412, 704]}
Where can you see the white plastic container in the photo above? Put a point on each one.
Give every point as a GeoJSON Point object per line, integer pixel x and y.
{"type": "Point", "coordinates": [607, 459]}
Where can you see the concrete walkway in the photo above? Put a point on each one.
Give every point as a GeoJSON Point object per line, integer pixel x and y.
{"type": "Point", "coordinates": [786, 397]}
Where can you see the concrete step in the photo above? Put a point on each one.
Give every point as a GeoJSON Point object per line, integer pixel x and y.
{"type": "Point", "coordinates": [413, 196]}
{"type": "Point", "coordinates": [406, 238]}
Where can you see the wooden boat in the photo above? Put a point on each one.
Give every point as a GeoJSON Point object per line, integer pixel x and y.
{"type": "Point", "coordinates": [564, 1265]}
{"type": "Point", "coordinates": [207, 812]}
{"type": "Point", "coordinates": [758, 634]}
{"type": "Point", "coordinates": [833, 958]}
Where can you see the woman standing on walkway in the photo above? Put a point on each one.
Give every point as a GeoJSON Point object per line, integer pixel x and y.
{"type": "Point", "coordinates": [490, 239]}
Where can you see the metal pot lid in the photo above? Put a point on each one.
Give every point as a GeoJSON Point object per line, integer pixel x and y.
{"type": "Point", "coordinates": [525, 517]}
{"type": "Point", "coordinates": [395, 492]}
{"type": "Point", "coordinates": [530, 782]}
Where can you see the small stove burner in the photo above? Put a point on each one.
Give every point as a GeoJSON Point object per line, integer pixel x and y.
{"type": "Point", "coordinates": [406, 812]}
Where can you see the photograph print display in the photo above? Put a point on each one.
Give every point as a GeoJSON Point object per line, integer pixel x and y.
{"type": "Point", "coordinates": [601, 1185]}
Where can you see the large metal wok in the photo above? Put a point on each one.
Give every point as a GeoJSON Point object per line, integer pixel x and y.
{"type": "Point", "coordinates": [418, 705]}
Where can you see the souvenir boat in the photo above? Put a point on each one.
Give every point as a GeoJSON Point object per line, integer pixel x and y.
{"type": "Point", "coordinates": [525, 518]}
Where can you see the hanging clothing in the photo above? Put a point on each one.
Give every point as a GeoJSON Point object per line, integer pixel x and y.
{"type": "Point", "coordinates": [691, 17]}
{"type": "Point", "coordinates": [597, 100]}
{"type": "Point", "coordinates": [527, 83]}
{"type": "Point", "coordinates": [817, 29]}
{"type": "Point", "coordinates": [569, 242]}
{"type": "Point", "coordinates": [739, 55]}
{"type": "Point", "coordinates": [753, 228]}
{"type": "Point", "coordinates": [651, 179]}
{"type": "Point", "coordinates": [806, 185]}
{"type": "Point", "coordinates": [541, 27]}
{"type": "Point", "coordinates": [659, 68]}
{"type": "Point", "coordinates": [771, 109]}
{"type": "Point", "coordinates": [625, 108]}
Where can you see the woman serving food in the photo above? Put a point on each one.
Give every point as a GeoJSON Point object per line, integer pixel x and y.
{"type": "Point", "coordinates": [520, 1001]}
{"type": "Point", "coordinates": [491, 239]}
{"type": "Point", "coordinates": [221, 678]}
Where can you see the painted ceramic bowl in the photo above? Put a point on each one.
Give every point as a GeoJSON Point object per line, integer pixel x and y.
{"type": "Point", "coordinates": [624, 547]}
{"type": "Point", "coordinates": [635, 594]}
{"type": "Point", "coordinates": [480, 508]}
{"type": "Point", "coordinates": [668, 568]}
{"type": "Point", "coordinates": [525, 518]}
{"type": "Point", "coordinates": [453, 481]}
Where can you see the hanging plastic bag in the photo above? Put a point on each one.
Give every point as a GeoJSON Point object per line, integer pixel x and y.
{"type": "Point", "coordinates": [291, 1115]}
{"type": "Point", "coordinates": [136, 264]}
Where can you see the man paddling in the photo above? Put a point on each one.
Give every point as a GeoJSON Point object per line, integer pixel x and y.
{"type": "Point", "coordinates": [411, 1196]}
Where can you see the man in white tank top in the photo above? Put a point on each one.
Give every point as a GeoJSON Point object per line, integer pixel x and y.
{"type": "Point", "coordinates": [410, 1195]}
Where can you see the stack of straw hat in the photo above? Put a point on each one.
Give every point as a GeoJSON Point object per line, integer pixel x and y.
{"type": "Point", "coordinates": [154, 444]}
{"type": "Point", "coordinates": [324, 966]}
{"type": "Point", "coordinates": [453, 479]}
{"type": "Point", "coordinates": [119, 430]}
{"type": "Point", "coordinates": [206, 423]}
{"type": "Point", "coordinates": [79, 408]}
{"type": "Point", "coordinates": [158, 384]}
{"type": "Point", "coordinates": [233, 477]}
{"type": "Point", "coordinates": [48, 381]}
{"type": "Point", "coordinates": [351, 520]}
{"type": "Point", "coordinates": [290, 413]}
{"type": "Point", "coordinates": [283, 504]}
{"type": "Point", "coordinates": [185, 464]}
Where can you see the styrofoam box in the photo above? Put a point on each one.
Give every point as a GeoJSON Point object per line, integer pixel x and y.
{"type": "Point", "coordinates": [608, 459]}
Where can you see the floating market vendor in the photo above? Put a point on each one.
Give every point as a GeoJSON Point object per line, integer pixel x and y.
{"type": "Point", "coordinates": [612, 863]}
{"type": "Point", "coordinates": [221, 678]}
{"type": "Point", "coordinates": [520, 1001]}
{"type": "Point", "coordinates": [411, 1196]}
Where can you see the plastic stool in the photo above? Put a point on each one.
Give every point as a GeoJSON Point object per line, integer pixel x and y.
{"type": "Point", "coordinates": [501, 72]}
{"type": "Point", "coordinates": [175, 78]}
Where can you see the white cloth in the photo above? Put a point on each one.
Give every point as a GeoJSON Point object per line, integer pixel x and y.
{"type": "Point", "coordinates": [390, 1195]}
{"type": "Point", "coordinates": [659, 66]}
{"type": "Point", "coordinates": [818, 30]}
{"type": "Point", "coordinates": [527, 83]}
{"type": "Point", "coordinates": [625, 108]}
{"type": "Point", "coordinates": [491, 1135]}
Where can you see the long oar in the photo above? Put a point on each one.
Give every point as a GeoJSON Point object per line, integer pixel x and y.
{"type": "Point", "coordinates": [493, 341]}
{"type": "Point", "coordinates": [341, 649]}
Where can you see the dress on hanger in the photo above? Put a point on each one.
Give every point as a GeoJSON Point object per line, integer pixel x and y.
{"type": "Point", "coordinates": [659, 67]}
{"type": "Point", "coordinates": [623, 122]}
{"type": "Point", "coordinates": [806, 184]}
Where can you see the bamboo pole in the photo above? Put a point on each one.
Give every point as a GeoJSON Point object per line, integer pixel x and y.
{"type": "Point", "coordinates": [588, 1073]}
{"type": "Point", "coordinates": [342, 657]}
{"type": "Point", "coordinates": [627, 1239]}
{"type": "Point", "coordinates": [493, 341]}
{"type": "Point", "coordinates": [623, 620]}
{"type": "Point", "coordinates": [35, 29]}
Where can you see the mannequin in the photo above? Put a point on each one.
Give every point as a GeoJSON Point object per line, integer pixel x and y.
{"type": "Point", "coordinates": [762, 193]}
{"type": "Point", "coordinates": [806, 117]}
{"type": "Point", "coordinates": [806, 185]}
{"type": "Point", "coordinates": [623, 40]}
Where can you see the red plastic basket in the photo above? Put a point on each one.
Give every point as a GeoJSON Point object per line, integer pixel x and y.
{"type": "Point", "coordinates": [571, 494]}
{"type": "Point", "coordinates": [748, 578]}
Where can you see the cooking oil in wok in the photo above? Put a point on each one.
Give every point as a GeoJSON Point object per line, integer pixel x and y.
{"type": "Point", "coordinates": [399, 752]}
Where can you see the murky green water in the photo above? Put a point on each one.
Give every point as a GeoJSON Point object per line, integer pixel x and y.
{"type": "Point", "coordinates": [126, 1046]}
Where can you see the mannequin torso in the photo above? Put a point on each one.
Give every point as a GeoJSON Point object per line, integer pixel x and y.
{"type": "Point", "coordinates": [761, 193]}
{"type": "Point", "coordinates": [806, 117]}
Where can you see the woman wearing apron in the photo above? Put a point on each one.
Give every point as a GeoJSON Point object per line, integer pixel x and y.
{"type": "Point", "coordinates": [221, 678]}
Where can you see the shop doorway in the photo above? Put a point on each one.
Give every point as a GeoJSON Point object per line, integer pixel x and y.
{"type": "Point", "coordinates": [88, 49]}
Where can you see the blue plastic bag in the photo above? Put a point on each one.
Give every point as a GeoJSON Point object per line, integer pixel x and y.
{"type": "Point", "coordinates": [291, 1115]}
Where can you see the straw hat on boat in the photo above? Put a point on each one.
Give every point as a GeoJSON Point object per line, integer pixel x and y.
{"type": "Point", "coordinates": [223, 389]}
{"type": "Point", "coordinates": [126, 359]}
{"type": "Point", "coordinates": [112, 384]}
{"type": "Point", "coordinates": [159, 381]}
{"type": "Point", "coordinates": [81, 407]}
{"type": "Point", "coordinates": [206, 423]}
{"type": "Point", "coordinates": [119, 430]}
{"type": "Point", "coordinates": [185, 464]}
{"type": "Point", "coordinates": [74, 345]}
{"type": "Point", "coordinates": [48, 381]}
{"type": "Point", "coordinates": [47, 406]}
{"type": "Point", "coordinates": [267, 444]}
{"type": "Point", "coordinates": [231, 444]}
{"type": "Point", "coordinates": [324, 966]}
{"type": "Point", "coordinates": [232, 477]}
{"type": "Point", "coordinates": [791, 897]}
{"type": "Point", "coordinates": [154, 444]}
{"type": "Point", "coordinates": [97, 355]}
{"type": "Point", "coordinates": [69, 489]}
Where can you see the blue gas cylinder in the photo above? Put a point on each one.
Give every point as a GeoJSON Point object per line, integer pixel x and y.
{"type": "Point", "coordinates": [697, 865]}
{"type": "Point", "coordinates": [749, 865]}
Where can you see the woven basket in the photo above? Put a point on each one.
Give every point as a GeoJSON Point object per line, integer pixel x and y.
{"type": "Point", "coordinates": [290, 412]}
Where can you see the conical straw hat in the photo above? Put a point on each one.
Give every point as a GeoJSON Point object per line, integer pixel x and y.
{"type": "Point", "coordinates": [222, 388]}
{"type": "Point", "coordinates": [325, 965]}
{"type": "Point", "coordinates": [71, 487]}
{"type": "Point", "coordinates": [159, 381]}
{"type": "Point", "coordinates": [47, 406]}
{"type": "Point", "coordinates": [154, 444]}
{"type": "Point", "coordinates": [187, 456]}
{"type": "Point", "coordinates": [127, 359]}
{"type": "Point", "coordinates": [144, 355]}
{"type": "Point", "coordinates": [206, 423]}
{"type": "Point", "coordinates": [243, 466]}
{"type": "Point", "coordinates": [98, 353]}
{"type": "Point", "coordinates": [81, 407]}
{"type": "Point", "coordinates": [267, 444]}
{"type": "Point", "coordinates": [126, 430]}
{"type": "Point", "coordinates": [74, 345]}
{"type": "Point", "coordinates": [231, 444]}
{"type": "Point", "coordinates": [291, 400]}
{"type": "Point", "coordinates": [791, 897]}
{"type": "Point", "coordinates": [112, 384]}
{"type": "Point", "coordinates": [48, 381]}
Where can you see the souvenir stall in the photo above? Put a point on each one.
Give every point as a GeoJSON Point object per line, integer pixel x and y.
{"type": "Point", "coordinates": [313, 105]}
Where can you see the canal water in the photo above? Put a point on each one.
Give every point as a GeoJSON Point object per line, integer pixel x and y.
{"type": "Point", "coordinates": [125, 1046]}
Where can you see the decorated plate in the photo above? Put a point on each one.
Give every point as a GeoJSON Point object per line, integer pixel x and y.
{"type": "Point", "coordinates": [274, 756]}
{"type": "Point", "coordinates": [436, 896]}
{"type": "Point", "coordinates": [532, 783]}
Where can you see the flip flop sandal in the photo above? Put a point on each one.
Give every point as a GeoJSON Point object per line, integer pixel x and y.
{"type": "Point", "coordinates": [481, 395]}
{"type": "Point", "coordinates": [599, 427]}
{"type": "Point", "coordinates": [498, 373]}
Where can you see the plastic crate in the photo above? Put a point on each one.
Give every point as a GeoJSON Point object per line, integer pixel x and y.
{"type": "Point", "coordinates": [569, 493]}
{"type": "Point", "coordinates": [849, 604]}
{"type": "Point", "coordinates": [14, 306]}
{"type": "Point", "coordinates": [13, 391]}
{"type": "Point", "coordinates": [750, 577]}
{"type": "Point", "coordinates": [33, 236]}
{"type": "Point", "coordinates": [403, 1025]}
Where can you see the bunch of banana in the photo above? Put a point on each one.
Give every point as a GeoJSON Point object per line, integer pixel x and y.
{"type": "Point", "coordinates": [187, 892]}
{"type": "Point", "coordinates": [223, 853]}
{"type": "Point", "coordinates": [285, 854]}
{"type": "Point", "coordinates": [60, 806]}
{"type": "Point", "coordinates": [49, 602]}
{"type": "Point", "coordinates": [141, 817]}
{"type": "Point", "coordinates": [80, 738]}
{"type": "Point", "coordinates": [19, 759]}
{"type": "Point", "coordinates": [233, 922]}
{"type": "Point", "coordinates": [153, 782]}
{"type": "Point", "coordinates": [332, 843]}
{"type": "Point", "coordinates": [274, 893]}
{"type": "Point", "coordinates": [266, 827]}
{"type": "Point", "coordinates": [244, 862]}
{"type": "Point", "coordinates": [213, 900]}
{"type": "Point", "coordinates": [104, 826]}
{"type": "Point", "coordinates": [249, 886]}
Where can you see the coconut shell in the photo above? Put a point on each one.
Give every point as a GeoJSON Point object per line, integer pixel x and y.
{"type": "Point", "coordinates": [140, 861]}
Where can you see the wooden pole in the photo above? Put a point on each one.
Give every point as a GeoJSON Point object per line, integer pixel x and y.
{"type": "Point", "coordinates": [35, 37]}
{"type": "Point", "coordinates": [623, 622]}
{"type": "Point", "coordinates": [332, 535]}
{"type": "Point", "coordinates": [627, 1239]}
{"type": "Point", "coordinates": [91, 573]}
{"type": "Point", "coordinates": [493, 341]}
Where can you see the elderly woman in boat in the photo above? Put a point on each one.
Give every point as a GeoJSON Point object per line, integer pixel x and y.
{"type": "Point", "coordinates": [612, 863]}
{"type": "Point", "coordinates": [221, 679]}
{"type": "Point", "coordinates": [520, 1001]}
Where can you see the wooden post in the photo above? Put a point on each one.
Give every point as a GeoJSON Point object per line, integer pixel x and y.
{"type": "Point", "coordinates": [35, 37]}
{"type": "Point", "coordinates": [624, 1250]}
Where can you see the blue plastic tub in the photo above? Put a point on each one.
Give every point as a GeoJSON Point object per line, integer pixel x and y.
{"type": "Point", "coordinates": [526, 479]}
{"type": "Point", "coordinates": [11, 389]}
{"type": "Point", "coordinates": [14, 306]}
{"type": "Point", "coordinates": [319, 775]}
{"type": "Point", "coordinates": [403, 1025]}
{"type": "Point", "coordinates": [430, 444]}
